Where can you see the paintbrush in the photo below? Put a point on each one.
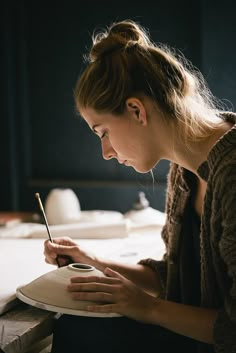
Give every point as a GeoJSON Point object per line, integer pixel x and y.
{"type": "Point", "coordinates": [48, 230]}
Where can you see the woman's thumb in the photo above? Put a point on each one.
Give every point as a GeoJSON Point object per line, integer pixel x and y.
{"type": "Point", "coordinates": [60, 249]}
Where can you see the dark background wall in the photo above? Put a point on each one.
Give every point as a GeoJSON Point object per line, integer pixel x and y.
{"type": "Point", "coordinates": [43, 144]}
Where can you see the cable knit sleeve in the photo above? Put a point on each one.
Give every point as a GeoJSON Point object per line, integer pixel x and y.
{"type": "Point", "coordinates": [160, 267]}
{"type": "Point", "coordinates": [225, 325]}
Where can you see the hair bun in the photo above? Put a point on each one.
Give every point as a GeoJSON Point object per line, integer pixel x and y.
{"type": "Point", "coordinates": [103, 45]}
{"type": "Point", "coordinates": [120, 35]}
{"type": "Point", "coordinates": [126, 29]}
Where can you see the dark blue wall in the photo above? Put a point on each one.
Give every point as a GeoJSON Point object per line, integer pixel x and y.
{"type": "Point", "coordinates": [43, 144]}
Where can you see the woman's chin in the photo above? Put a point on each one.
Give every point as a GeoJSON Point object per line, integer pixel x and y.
{"type": "Point", "coordinates": [141, 170]}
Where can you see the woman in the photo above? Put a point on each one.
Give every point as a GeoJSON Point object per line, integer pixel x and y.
{"type": "Point", "coordinates": [146, 104]}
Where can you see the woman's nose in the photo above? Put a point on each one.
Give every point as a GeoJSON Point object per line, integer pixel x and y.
{"type": "Point", "coordinates": [107, 151]}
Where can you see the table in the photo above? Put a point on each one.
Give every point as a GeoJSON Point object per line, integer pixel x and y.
{"type": "Point", "coordinates": [22, 260]}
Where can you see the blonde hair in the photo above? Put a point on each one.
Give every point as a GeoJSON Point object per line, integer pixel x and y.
{"type": "Point", "coordinates": [124, 62]}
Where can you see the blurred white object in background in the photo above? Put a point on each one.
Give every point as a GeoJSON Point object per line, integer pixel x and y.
{"type": "Point", "coordinates": [142, 215]}
{"type": "Point", "coordinates": [62, 206]}
{"type": "Point", "coordinates": [101, 216]}
{"type": "Point", "coordinates": [66, 218]}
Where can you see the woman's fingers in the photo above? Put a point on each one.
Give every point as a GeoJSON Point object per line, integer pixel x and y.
{"type": "Point", "coordinates": [91, 287]}
{"type": "Point", "coordinates": [92, 292]}
{"type": "Point", "coordinates": [97, 279]}
{"type": "Point", "coordinates": [67, 241]}
{"type": "Point", "coordinates": [62, 250]}
{"type": "Point", "coordinates": [50, 261]}
{"type": "Point", "coordinates": [114, 274]}
{"type": "Point", "coordinates": [95, 288]}
{"type": "Point", "coordinates": [101, 297]}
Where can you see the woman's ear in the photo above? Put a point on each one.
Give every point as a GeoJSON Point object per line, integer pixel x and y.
{"type": "Point", "coordinates": [137, 109]}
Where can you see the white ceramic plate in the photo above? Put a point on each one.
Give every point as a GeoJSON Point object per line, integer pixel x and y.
{"type": "Point", "coordinates": [59, 309]}
{"type": "Point", "coordinates": [49, 291]}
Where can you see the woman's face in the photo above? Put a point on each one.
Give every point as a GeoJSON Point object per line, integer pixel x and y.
{"type": "Point", "coordinates": [128, 137]}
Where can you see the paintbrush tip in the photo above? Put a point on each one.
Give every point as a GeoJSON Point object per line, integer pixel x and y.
{"type": "Point", "coordinates": [37, 195]}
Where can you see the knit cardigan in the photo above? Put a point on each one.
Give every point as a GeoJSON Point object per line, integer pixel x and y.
{"type": "Point", "coordinates": [217, 237]}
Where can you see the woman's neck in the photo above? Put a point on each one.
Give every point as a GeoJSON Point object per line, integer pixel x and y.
{"type": "Point", "coordinates": [197, 152]}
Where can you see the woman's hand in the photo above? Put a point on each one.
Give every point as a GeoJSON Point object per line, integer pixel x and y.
{"type": "Point", "coordinates": [64, 251]}
{"type": "Point", "coordinates": [115, 294]}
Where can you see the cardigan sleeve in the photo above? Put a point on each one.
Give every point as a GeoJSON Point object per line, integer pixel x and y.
{"type": "Point", "coordinates": [160, 267]}
{"type": "Point", "coordinates": [225, 325]}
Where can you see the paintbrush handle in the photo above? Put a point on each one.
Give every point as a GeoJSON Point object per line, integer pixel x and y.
{"type": "Point", "coordinates": [44, 216]}
{"type": "Point", "coordinates": [64, 257]}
